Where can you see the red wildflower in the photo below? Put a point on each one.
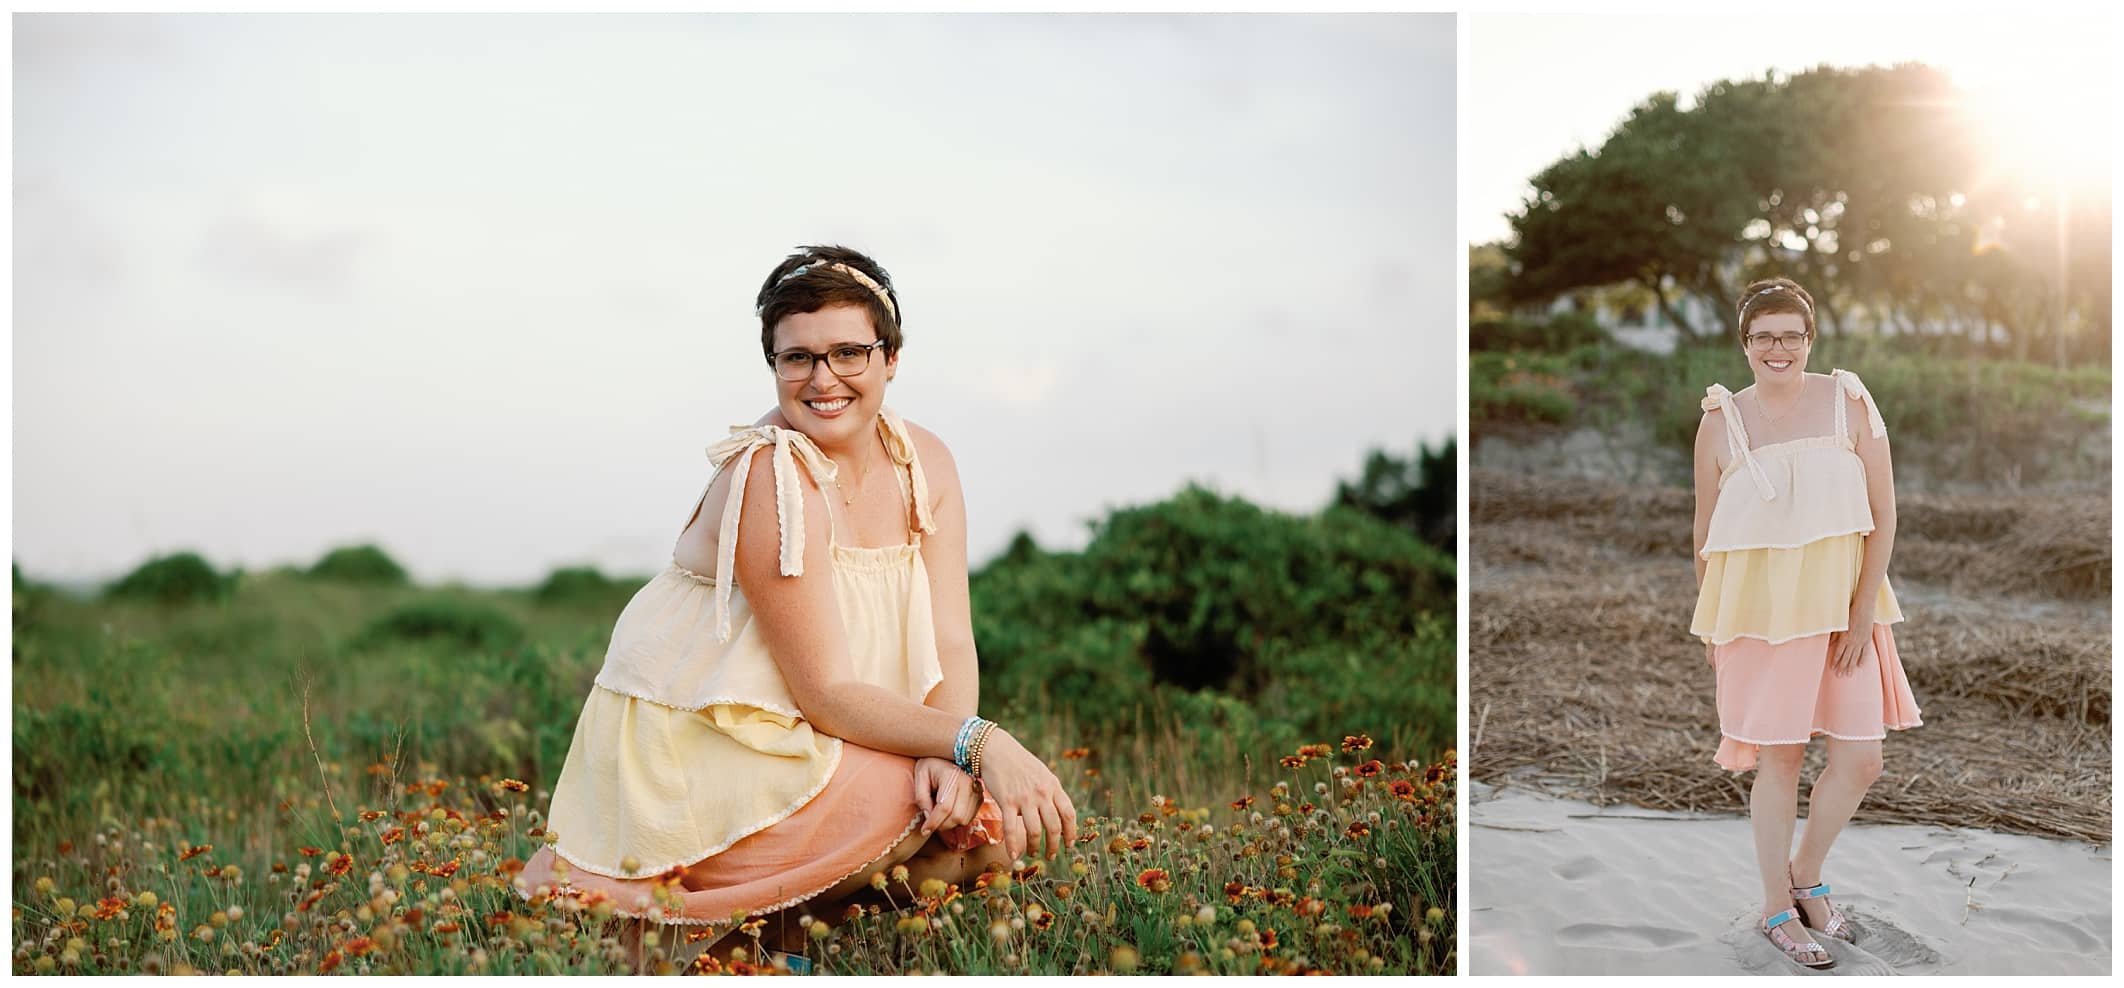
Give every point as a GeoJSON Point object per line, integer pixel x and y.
{"type": "Point", "coordinates": [1268, 938]}
{"type": "Point", "coordinates": [1434, 775]}
{"type": "Point", "coordinates": [1027, 872]}
{"type": "Point", "coordinates": [331, 960]}
{"type": "Point", "coordinates": [1316, 750]}
{"type": "Point", "coordinates": [1359, 828]}
{"type": "Point", "coordinates": [515, 785]}
{"type": "Point", "coordinates": [1305, 807]}
{"type": "Point", "coordinates": [1369, 769]}
{"type": "Point", "coordinates": [446, 870]}
{"type": "Point", "coordinates": [1140, 843]}
{"type": "Point", "coordinates": [509, 866]}
{"type": "Point", "coordinates": [191, 853]}
{"type": "Point", "coordinates": [446, 927]}
{"type": "Point", "coordinates": [1243, 802]}
{"type": "Point", "coordinates": [1357, 742]}
{"type": "Point", "coordinates": [368, 815]}
{"type": "Point", "coordinates": [309, 852]}
{"type": "Point", "coordinates": [359, 946]}
{"type": "Point", "coordinates": [109, 908]}
{"type": "Point", "coordinates": [1403, 790]}
{"type": "Point", "coordinates": [1360, 910]}
{"type": "Point", "coordinates": [1234, 892]}
{"type": "Point", "coordinates": [500, 918]}
{"type": "Point", "coordinates": [393, 835]}
{"type": "Point", "coordinates": [1154, 879]}
{"type": "Point", "coordinates": [1293, 761]}
{"type": "Point", "coordinates": [436, 787]}
{"type": "Point", "coordinates": [339, 865]}
{"type": "Point", "coordinates": [1076, 754]}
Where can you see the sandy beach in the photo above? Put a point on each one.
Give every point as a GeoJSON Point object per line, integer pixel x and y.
{"type": "Point", "coordinates": [1566, 887]}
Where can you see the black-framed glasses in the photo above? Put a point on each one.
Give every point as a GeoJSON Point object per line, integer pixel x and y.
{"type": "Point", "coordinates": [1791, 342]}
{"type": "Point", "coordinates": [844, 360]}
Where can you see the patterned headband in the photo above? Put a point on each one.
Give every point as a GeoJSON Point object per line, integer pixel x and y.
{"type": "Point", "coordinates": [1797, 297]}
{"type": "Point", "coordinates": [861, 278]}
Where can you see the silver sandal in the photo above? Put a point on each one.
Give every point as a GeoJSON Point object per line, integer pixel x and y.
{"type": "Point", "coordinates": [1792, 950]}
{"type": "Point", "coordinates": [1839, 925]}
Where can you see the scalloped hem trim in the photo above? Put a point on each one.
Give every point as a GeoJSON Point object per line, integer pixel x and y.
{"type": "Point", "coordinates": [1706, 551]}
{"type": "Point", "coordinates": [713, 701]}
{"type": "Point", "coordinates": [1730, 639]}
{"type": "Point", "coordinates": [668, 920]}
{"type": "Point", "coordinates": [650, 871]}
{"type": "Point", "coordinates": [1818, 732]}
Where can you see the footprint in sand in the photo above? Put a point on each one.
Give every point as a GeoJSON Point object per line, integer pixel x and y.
{"type": "Point", "coordinates": [1610, 935]}
{"type": "Point", "coordinates": [1574, 869]}
{"type": "Point", "coordinates": [1882, 948]}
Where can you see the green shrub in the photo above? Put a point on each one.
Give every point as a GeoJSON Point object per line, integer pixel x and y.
{"type": "Point", "coordinates": [582, 586]}
{"type": "Point", "coordinates": [1558, 333]}
{"type": "Point", "coordinates": [360, 564]}
{"type": "Point", "coordinates": [181, 578]}
{"type": "Point", "coordinates": [443, 620]}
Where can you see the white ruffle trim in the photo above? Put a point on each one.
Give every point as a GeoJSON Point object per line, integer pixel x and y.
{"type": "Point", "coordinates": [1708, 550]}
{"type": "Point", "coordinates": [1780, 641]}
{"type": "Point", "coordinates": [740, 701]}
{"type": "Point", "coordinates": [647, 871]}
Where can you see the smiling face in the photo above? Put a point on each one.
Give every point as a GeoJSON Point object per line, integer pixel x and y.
{"type": "Point", "coordinates": [1775, 363]}
{"type": "Point", "coordinates": [834, 411]}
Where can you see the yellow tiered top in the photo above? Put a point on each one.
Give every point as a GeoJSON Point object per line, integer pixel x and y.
{"type": "Point", "coordinates": [1784, 550]}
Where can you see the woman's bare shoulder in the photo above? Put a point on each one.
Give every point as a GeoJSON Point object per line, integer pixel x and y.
{"type": "Point", "coordinates": [937, 462]}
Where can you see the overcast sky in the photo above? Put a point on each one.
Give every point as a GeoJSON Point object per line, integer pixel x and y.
{"type": "Point", "coordinates": [1542, 86]}
{"type": "Point", "coordinates": [478, 288]}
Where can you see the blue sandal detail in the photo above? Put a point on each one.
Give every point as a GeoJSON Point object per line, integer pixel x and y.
{"type": "Point", "coordinates": [1792, 951]}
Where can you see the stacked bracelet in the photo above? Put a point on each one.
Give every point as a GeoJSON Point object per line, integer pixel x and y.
{"type": "Point", "coordinates": [980, 744]}
{"type": "Point", "coordinates": [963, 746]}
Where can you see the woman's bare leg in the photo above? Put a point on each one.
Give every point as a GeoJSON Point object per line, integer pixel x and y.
{"type": "Point", "coordinates": [1773, 809]}
{"type": "Point", "coordinates": [1853, 767]}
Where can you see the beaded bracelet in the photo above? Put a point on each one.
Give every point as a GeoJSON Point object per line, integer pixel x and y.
{"type": "Point", "coordinates": [961, 748]}
{"type": "Point", "coordinates": [980, 745]}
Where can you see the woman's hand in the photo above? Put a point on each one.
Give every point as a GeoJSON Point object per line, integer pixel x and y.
{"type": "Point", "coordinates": [945, 793]}
{"type": "Point", "coordinates": [1036, 811]}
{"type": "Point", "coordinates": [1847, 649]}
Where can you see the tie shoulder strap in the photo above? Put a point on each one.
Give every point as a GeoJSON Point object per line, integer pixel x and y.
{"type": "Point", "coordinates": [1718, 399]}
{"type": "Point", "coordinates": [900, 445]}
{"type": "Point", "coordinates": [1848, 384]}
{"type": "Point", "coordinates": [736, 450]}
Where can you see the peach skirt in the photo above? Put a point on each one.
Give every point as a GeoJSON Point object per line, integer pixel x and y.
{"type": "Point", "coordinates": [866, 809]}
{"type": "Point", "coordinates": [1787, 694]}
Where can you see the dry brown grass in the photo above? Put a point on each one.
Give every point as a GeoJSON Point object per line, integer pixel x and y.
{"type": "Point", "coordinates": [1585, 681]}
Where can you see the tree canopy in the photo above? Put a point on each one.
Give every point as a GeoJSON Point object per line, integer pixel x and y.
{"type": "Point", "coordinates": [1877, 188]}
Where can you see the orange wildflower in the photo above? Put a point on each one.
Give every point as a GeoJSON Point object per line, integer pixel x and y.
{"type": "Point", "coordinates": [191, 853]}
{"type": "Point", "coordinates": [359, 946]}
{"type": "Point", "coordinates": [515, 785]}
{"type": "Point", "coordinates": [446, 870]}
{"type": "Point", "coordinates": [1140, 843]}
{"type": "Point", "coordinates": [1369, 769]}
{"type": "Point", "coordinates": [1359, 910]}
{"type": "Point", "coordinates": [446, 927]}
{"type": "Point", "coordinates": [1403, 790]}
{"type": "Point", "coordinates": [393, 835]}
{"type": "Point", "coordinates": [1077, 754]}
{"type": "Point", "coordinates": [509, 866]}
{"type": "Point", "coordinates": [1243, 802]}
{"type": "Point", "coordinates": [1234, 891]}
{"type": "Point", "coordinates": [109, 908]}
{"type": "Point", "coordinates": [1359, 828]}
{"type": "Point", "coordinates": [1316, 750]}
{"type": "Point", "coordinates": [340, 865]}
{"type": "Point", "coordinates": [1293, 761]}
{"type": "Point", "coordinates": [1154, 879]}
{"type": "Point", "coordinates": [1357, 742]}
{"type": "Point", "coordinates": [309, 852]}
{"type": "Point", "coordinates": [368, 815]}
{"type": "Point", "coordinates": [331, 960]}
{"type": "Point", "coordinates": [1268, 938]}
{"type": "Point", "coordinates": [1434, 775]}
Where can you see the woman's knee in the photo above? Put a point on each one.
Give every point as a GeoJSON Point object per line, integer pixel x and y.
{"type": "Point", "coordinates": [1781, 760]}
{"type": "Point", "coordinates": [1859, 761]}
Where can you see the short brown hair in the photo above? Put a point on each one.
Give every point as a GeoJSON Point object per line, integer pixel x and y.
{"type": "Point", "coordinates": [1773, 295]}
{"type": "Point", "coordinates": [821, 287]}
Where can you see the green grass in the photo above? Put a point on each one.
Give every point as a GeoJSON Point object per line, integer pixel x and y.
{"type": "Point", "coordinates": [1954, 420]}
{"type": "Point", "coordinates": [291, 712]}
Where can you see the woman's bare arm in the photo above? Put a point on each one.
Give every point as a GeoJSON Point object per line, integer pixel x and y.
{"type": "Point", "coordinates": [1880, 496]}
{"type": "Point", "coordinates": [1710, 442]}
{"type": "Point", "coordinates": [800, 622]}
{"type": "Point", "coordinates": [944, 556]}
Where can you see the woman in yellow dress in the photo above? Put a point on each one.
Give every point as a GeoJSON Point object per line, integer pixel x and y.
{"type": "Point", "coordinates": [788, 709]}
{"type": "Point", "coordinates": [1795, 520]}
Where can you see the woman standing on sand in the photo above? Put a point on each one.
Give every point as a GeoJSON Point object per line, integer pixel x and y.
{"type": "Point", "coordinates": [1795, 520]}
{"type": "Point", "coordinates": [774, 735]}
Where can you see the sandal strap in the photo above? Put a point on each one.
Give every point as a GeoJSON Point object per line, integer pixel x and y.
{"type": "Point", "coordinates": [1815, 891]}
{"type": "Point", "coordinates": [1781, 919]}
